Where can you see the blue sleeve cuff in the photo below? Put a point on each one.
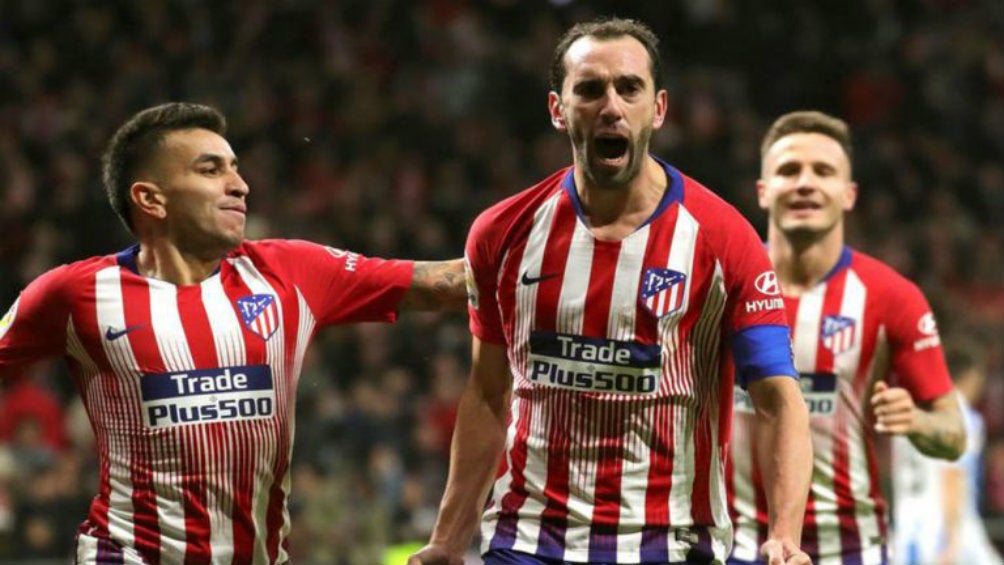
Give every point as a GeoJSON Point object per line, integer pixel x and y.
{"type": "Point", "coordinates": [762, 351]}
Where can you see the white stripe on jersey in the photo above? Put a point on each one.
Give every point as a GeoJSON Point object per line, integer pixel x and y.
{"type": "Point", "coordinates": [276, 358]}
{"type": "Point", "coordinates": [113, 415]}
{"type": "Point", "coordinates": [526, 301]}
{"type": "Point", "coordinates": [173, 345]}
{"type": "Point", "coordinates": [676, 365]}
{"type": "Point", "coordinates": [575, 282]}
{"type": "Point", "coordinates": [621, 326]}
{"type": "Point", "coordinates": [853, 306]}
{"type": "Point", "coordinates": [228, 340]}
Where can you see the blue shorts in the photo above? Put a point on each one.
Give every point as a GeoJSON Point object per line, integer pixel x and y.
{"type": "Point", "coordinates": [510, 557]}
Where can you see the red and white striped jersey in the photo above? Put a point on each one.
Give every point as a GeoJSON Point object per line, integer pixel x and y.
{"type": "Point", "coordinates": [620, 355]}
{"type": "Point", "coordinates": [863, 323]}
{"type": "Point", "coordinates": [190, 390]}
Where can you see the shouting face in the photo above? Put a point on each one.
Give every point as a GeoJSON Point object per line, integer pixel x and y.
{"type": "Point", "coordinates": [609, 107]}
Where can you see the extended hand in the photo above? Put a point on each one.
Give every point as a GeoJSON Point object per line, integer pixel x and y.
{"type": "Point", "coordinates": [777, 552]}
{"type": "Point", "coordinates": [894, 409]}
{"type": "Point", "coordinates": [435, 555]}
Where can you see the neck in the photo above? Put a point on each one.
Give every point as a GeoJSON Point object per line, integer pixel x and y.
{"type": "Point", "coordinates": [165, 261]}
{"type": "Point", "coordinates": [801, 264]}
{"type": "Point", "coordinates": [615, 212]}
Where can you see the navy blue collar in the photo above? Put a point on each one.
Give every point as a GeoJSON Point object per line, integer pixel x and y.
{"type": "Point", "coordinates": [673, 193]}
{"type": "Point", "coordinates": [842, 263]}
{"type": "Point", "coordinates": [127, 258]}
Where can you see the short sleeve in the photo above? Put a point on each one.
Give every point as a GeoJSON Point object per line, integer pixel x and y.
{"type": "Point", "coordinates": [34, 328]}
{"type": "Point", "coordinates": [341, 286]}
{"type": "Point", "coordinates": [918, 361]}
{"type": "Point", "coordinates": [754, 310]}
{"type": "Point", "coordinates": [482, 268]}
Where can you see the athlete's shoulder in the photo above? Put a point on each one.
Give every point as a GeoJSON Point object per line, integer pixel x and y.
{"type": "Point", "coordinates": [879, 275]}
{"type": "Point", "coordinates": [77, 272]}
{"type": "Point", "coordinates": [525, 201]}
{"type": "Point", "coordinates": [702, 203]}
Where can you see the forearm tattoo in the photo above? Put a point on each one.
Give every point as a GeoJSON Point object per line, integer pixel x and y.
{"type": "Point", "coordinates": [437, 285]}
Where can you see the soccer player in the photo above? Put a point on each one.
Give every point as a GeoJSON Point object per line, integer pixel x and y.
{"type": "Point", "coordinates": [936, 519]}
{"type": "Point", "coordinates": [865, 343]}
{"type": "Point", "coordinates": [613, 305]}
{"type": "Point", "coordinates": [187, 346]}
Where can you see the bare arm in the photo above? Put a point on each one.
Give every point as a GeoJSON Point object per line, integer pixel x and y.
{"type": "Point", "coordinates": [478, 440]}
{"type": "Point", "coordinates": [784, 448]}
{"type": "Point", "coordinates": [935, 428]}
{"type": "Point", "coordinates": [436, 285]}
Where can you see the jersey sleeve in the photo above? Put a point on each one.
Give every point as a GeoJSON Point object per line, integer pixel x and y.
{"type": "Point", "coordinates": [342, 286]}
{"type": "Point", "coordinates": [482, 268]}
{"type": "Point", "coordinates": [754, 310]}
{"type": "Point", "coordinates": [918, 361]}
{"type": "Point", "coordinates": [34, 327]}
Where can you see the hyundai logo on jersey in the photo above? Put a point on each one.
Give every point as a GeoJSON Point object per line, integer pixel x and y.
{"type": "Point", "coordinates": [207, 395]}
{"type": "Point", "coordinates": [259, 314]}
{"type": "Point", "coordinates": [662, 290]}
{"type": "Point", "coordinates": [593, 364]}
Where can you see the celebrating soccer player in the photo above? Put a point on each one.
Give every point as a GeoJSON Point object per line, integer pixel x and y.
{"type": "Point", "coordinates": [865, 343]}
{"type": "Point", "coordinates": [613, 305]}
{"type": "Point", "coordinates": [186, 347]}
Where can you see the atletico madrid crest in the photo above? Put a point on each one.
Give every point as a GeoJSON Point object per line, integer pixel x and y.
{"type": "Point", "coordinates": [259, 313]}
{"type": "Point", "coordinates": [662, 291]}
{"type": "Point", "coordinates": [837, 333]}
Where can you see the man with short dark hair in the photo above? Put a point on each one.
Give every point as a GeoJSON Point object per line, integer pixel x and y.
{"type": "Point", "coordinates": [865, 343]}
{"type": "Point", "coordinates": [613, 305]}
{"type": "Point", "coordinates": [186, 348]}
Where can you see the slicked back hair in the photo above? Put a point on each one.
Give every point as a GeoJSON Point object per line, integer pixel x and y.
{"type": "Point", "coordinates": [137, 141]}
{"type": "Point", "coordinates": [607, 29]}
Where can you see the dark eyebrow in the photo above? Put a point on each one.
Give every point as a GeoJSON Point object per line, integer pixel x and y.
{"type": "Point", "coordinates": [215, 159]}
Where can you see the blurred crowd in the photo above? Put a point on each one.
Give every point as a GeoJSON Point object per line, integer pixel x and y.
{"type": "Point", "coordinates": [384, 126]}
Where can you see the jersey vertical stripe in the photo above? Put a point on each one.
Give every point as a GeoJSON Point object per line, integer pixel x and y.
{"type": "Point", "coordinates": [842, 348]}
{"type": "Point", "coordinates": [599, 475]}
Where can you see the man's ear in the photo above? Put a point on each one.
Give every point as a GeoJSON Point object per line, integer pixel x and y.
{"type": "Point", "coordinates": [554, 108]}
{"type": "Point", "coordinates": [148, 199]}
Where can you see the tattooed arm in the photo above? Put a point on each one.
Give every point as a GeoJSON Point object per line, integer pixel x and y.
{"type": "Point", "coordinates": [437, 285]}
{"type": "Point", "coordinates": [935, 428]}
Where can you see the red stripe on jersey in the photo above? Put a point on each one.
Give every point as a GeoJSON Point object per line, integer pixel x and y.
{"type": "Point", "coordinates": [136, 311]}
{"type": "Point", "coordinates": [596, 311]}
{"type": "Point", "coordinates": [199, 336]}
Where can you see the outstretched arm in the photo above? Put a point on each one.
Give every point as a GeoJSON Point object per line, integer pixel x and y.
{"type": "Point", "coordinates": [784, 448]}
{"type": "Point", "coordinates": [478, 440]}
{"type": "Point", "coordinates": [437, 285]}
{"type": "Point", "coordinates": [935, 428]}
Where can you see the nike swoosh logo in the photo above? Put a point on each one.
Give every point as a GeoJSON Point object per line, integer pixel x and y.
{"type": "Point", "coordinates": [112, 334]}
{"type": "Point", "coordinates": [528, 280]}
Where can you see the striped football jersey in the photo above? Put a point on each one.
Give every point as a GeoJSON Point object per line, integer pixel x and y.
{"type": "Point", "coordinates": [623, 375]}
{"type": "Point", "coordinates": [862, 323]}
{"type": "Point", "coordinates": [190, 389]}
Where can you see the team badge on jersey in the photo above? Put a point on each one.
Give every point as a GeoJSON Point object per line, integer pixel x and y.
{"type": "Point", "coordinates": [8, 318]}
{"type": "Point", "coordinates": [838, 333]}
{"type": "Point", "coordinates": [259, 313]}
{"type": "Point", "coordinates": [662, 291]}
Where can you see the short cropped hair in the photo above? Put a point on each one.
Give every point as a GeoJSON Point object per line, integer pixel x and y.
{"type": "Point", "coordinates": [808, 121]}
{"type": "Point", "coordinates": [137, 140]}
{"type": "Point", "coordinates": [607, 29]}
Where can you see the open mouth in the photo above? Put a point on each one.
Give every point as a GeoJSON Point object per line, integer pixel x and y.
{"type": "Point", "coordinates": [611, 148]}
{"type": "Point", "coordinates": [798, 206]}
